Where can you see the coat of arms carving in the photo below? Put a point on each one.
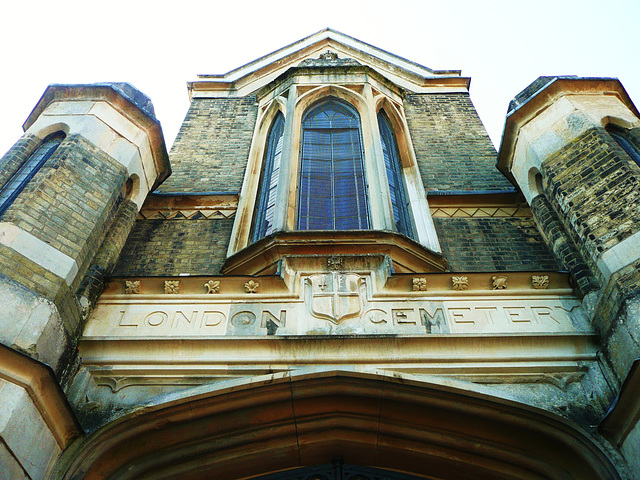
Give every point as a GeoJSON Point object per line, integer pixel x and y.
{"type": "Point", "coordinates": [335, 296]}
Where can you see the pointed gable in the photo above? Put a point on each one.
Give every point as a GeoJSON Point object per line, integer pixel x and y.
{"type": "Point", "coordinates": [254, 75]}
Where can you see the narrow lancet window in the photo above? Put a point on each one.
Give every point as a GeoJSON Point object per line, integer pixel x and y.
{"type": "Point", "coordinates": [394, 175]}
{"type": "Point", "coordinates": [266, 204]}
{"type": "Point", "coordinates": [332, 187]}
{"type": "Point", "coordinates": [10, 190]}
{"type": "Point", "coordinates": [621, 136]}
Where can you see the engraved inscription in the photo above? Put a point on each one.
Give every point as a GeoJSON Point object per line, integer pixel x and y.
{"type": "Point", "coordinates": [269, 317]}
{"type": "Point", "coordinates": [376, 316]}
{"type": "Point", "coordinates": [462, 315]}
{"type": "Point", "coordinates": [404, 316]}
{"type": "Point", "coordinates": [243, 319]}
{"type": "Point", "coordinates": [344, 301]}
{"type": "Point", "coordinates": [155, 319]}
{"type": "Point", "coordinates": [120, 322]}
{"type": "Point", "coordinates": [211, 318]}
{"type": "Point", "coordinates": [517, 314]}
{"type": "Point", "coordinates": [180, 316]}
{"type": "Point", "coordinates": [175, 320]}
{"type": "Point", "coordinates": [434, 321]}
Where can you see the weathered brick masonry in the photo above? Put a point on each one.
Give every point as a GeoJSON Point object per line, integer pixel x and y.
{"type": "Point", "coordinates": [71, 201]}
{"type": "Point", "coordinates": [211, 150]}
{"type": "Point", "coordinates": [16, 156]}
{"type": "Point", "coordinates": [561, 244]}
{"type": "Point", "coordinates": [451, 145]}
{"type": "Point", "coordinates": [172, 247]}
{"type": "Point", "coordinates": [69, 204]}
{"type": "Point", "coordinates": [595, 188]}
{"type": "Point", "coordinates": [493, 244]}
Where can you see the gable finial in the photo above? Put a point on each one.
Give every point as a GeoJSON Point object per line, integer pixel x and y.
{"type": "Point", "coordinates": [328, 55]}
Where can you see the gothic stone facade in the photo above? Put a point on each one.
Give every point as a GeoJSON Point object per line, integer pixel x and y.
{"type": "Point", "coordinates": [327, 276]}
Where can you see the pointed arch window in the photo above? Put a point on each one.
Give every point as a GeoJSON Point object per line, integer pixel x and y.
{"type": "Point", "coordinates": [622, 138]}
{"type": "Point", "coordinates": [263, 224]}
{"type": "Point", "coordinates": [394, 175]}
{"type": "Point", "coordinates": [332, 190]}
{"type": "Point", "coordinates": [10, 190]}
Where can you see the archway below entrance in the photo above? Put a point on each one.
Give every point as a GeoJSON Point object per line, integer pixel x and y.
{"type": "Point", "coordinates": [283, 422]}
{"type": "Point", "coordinates": [337, 470]}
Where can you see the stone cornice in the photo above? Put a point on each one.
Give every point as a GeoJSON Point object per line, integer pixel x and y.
{"type": "Point", "coordinates": [545, 97]}
{"type": "Point", "coordinates": [126, 105]}
{"type": "Point", "coordinates": [262, 256]}
{"type": "Point", "coordinates": [38, 380]}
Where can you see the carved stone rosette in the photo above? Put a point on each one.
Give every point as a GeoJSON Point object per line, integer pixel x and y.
{"type": "Point", "coordinates": [540, 282]}
{"type": "Point", "coordinates": [251, 286]}
{"type": "Point", "coordinates": [212, 286]}
{"type": "Point", "coordinates": [419, 284]}
{"type": "Point", "coordinates": [132, 287]}
{"type": "Point", "coordinates": [172, 287]}
{"type": "Point", "coordinates": [499, 282]}
{"type": "Point", "coordinates": [460, 283]}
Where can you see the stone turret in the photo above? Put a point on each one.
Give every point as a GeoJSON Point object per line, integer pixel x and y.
{"type": "Point", "coordinates": [583, 185]}
{"type": "Point", "coordinates": [53, 251]}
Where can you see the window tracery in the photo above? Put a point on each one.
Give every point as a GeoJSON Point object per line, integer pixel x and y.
{"type": "Point", "coordinates": [346, 162]}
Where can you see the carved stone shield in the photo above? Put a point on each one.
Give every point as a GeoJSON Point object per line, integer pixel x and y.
{"type": "Point", "coordinates": [335, 296]}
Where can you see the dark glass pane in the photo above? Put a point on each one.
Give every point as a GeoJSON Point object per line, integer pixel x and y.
{"type": "Point", "coordinates": [625, 142]}
{"type": "Point", "coordinates": [266, 200]}
{"type": "Point", "coordinates": [19, 180]}
{"type": "Point", "coordinates": [332, 183]}
{"type": "Point", "coordinates": [394, 175]}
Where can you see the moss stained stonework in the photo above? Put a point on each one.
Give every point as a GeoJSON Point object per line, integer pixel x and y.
{"type": "Point", "coordinates": [561, 244]}
{"type": "Point", "coordinates": [16, 156]}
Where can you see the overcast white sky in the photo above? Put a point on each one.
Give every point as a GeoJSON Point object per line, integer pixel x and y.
{"type": "Point", "coordinates": [159, 46]}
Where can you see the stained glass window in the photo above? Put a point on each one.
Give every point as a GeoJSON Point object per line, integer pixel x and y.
{"type": "Point", "coordinates": [394, 175]}
{"type": "Point", "coordinates": [332, 191]}
{"type": "Point", "coordinates": [263, 224]}
{"type": "Point", "coordinates": [19, 180]}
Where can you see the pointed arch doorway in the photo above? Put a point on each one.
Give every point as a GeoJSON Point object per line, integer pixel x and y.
{"type": "Point", "coordinates": [282, 422]}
